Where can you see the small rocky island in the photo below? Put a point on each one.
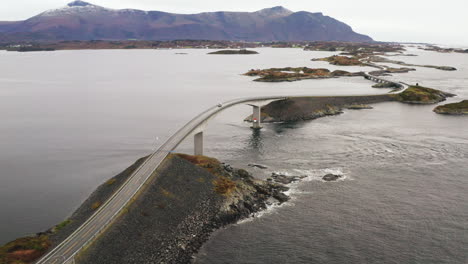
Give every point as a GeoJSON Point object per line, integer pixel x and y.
{"type": "Point", "coordinates": [290, 74]}
{"type": "Point", "coordinates": [421, 95]}
{"type": "Point", "coordinates": [460, 108]}
{"type": "Point", "coordinates": [234, 52]}
{"type": "Point", "coordinates": [341, 60]}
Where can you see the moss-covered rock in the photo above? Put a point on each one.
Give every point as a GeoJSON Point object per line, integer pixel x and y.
{"type": "Point", "coordinates": [460, 108]}
{"type": "Point", "coordinates": [421, 95]}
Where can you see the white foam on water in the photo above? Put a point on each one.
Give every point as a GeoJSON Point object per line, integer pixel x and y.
{"type": "Point", "coordinates": [271, 209]}
{"type": "Point", "coordinates": [294, 189]}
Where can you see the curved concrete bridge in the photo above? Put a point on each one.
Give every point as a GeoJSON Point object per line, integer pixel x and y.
{"type": "Point", "coordinates": [107, 213]}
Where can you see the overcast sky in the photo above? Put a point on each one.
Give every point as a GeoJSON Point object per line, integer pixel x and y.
{"type": "Point", "coordinates": [444, 22]}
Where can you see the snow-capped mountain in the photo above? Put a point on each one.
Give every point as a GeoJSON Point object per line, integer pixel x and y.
{"type": "Point", "coordinates": [80, 20]}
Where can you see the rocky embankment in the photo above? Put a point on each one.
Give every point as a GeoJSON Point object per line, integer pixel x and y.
{"type": "Point", "coordinates": [460, 108]}
{"type": "Point", "coordinates": [189, 197]}
{"type": "Point", "coordinates": [306, 108]}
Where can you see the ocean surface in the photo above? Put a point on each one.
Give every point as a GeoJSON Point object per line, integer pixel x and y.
{"type": "Point", "coordinates": [73, 119]}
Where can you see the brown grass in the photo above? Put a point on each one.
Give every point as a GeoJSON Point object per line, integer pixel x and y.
{"type": "Point", "coordinates": [24, 250]}
{"type": "Point", "coordinates": [224, 185]}
{"type": "Point", "coordinates": [111, 181]}
{"type": "Point", "coordinates": [211, 164]}
{"type": "Point", "coordinates": [96, 205]}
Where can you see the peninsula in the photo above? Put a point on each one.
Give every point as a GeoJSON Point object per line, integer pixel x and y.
{"type": "Point", "coordinates": [189, 198]}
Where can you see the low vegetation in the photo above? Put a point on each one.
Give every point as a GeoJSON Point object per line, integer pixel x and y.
{"type": "Point", "coordinates": [111, 181]}
{"type": "Point", "coordinates": [224, 186]}
{"type": "Point", "coordinates": [24, 250]}
{"type": "Point", "coordinates": [211, 164]}
{"type": "Point", "coordinates": [460, 108]}
{"type": "Point", "coordinates": [61, 225]}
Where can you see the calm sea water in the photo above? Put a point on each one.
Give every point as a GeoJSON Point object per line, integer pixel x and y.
{"type": "Point", "coordinates": [403, 199]}
{"type": "Point", "coordinates": [72, 119]}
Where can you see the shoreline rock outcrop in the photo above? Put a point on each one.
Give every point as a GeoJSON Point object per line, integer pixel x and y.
{"type": "Point", "coordinates": [331, 177]}
{"type": "Point", "coordinates": [460, 108]}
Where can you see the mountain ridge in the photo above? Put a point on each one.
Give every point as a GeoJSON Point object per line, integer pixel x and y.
{"type": "Point", "coordinates": [80, 20]}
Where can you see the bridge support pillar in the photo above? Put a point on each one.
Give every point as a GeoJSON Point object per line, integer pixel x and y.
{"type": "Point", "coordinates": [256, 117]}
{"type": "Point", "coordinates": [198, 143]}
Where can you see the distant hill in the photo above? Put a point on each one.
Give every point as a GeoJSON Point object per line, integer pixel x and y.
{"type": "Point", "coordinates": [84, 21]}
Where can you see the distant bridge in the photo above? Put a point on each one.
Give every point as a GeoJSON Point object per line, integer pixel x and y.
{"type": "Point", "coordinates": [376, 79]}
